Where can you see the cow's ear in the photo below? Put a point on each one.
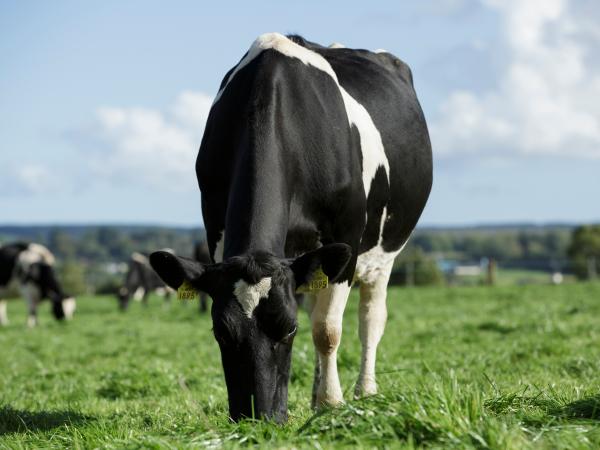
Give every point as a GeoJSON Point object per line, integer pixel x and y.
{"type": "Point", "coordinates": [174, 270]}
{"type": "Point", "coordinates": [332, 259]}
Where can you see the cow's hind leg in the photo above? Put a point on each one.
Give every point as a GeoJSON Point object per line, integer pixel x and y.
{"type": "Point", "coordinates": [372, 315]}
{"type": "Point", "coordinates": [3, 313]}
{"type": "Point", "coordinates": [326, 318]}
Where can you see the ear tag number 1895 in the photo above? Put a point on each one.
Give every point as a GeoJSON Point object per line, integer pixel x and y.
{"type": "Point", "coordinates": [186, 291]}
{"type": "Point", "coordinates": [318, 281]}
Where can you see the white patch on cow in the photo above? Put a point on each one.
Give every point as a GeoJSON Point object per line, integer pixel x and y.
{"type": "Point", "coordinates": [249, 295]}
{"type": "Point", "coordinates": [44, 253]}
{"type": "Point", "coordinates": [373, 154]}
{"type": "Point", "coordinates": [138, 295]}
{"type": "Point", "coordinates": [380, 50]}
{"type": "Point", "coordinates": [35, 253]}
{"type": "Point", "coordinates": [69, 305]}
{"type": "Point", "coordinates": [220, 248]}
{"type": "Point", "coordinates": [138, 257]}
{"type": "Point", "coordinates": [337, 45]}
{"type": "Point", "coordinates": [372, 264]}
{"type": "Point", "coordinates": [3, 313]}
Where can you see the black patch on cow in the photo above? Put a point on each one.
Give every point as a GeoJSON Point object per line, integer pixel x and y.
{"type": "Point", "coordinates": [376, 202]}
{"type": "Point", "coordinates": [8, 259]}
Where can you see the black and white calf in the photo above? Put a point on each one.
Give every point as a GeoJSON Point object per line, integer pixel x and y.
{"type": "Point", "coordinates": [32, 265]}
{"type": "Point", "coordinates": [140, 281]}
{"type": "Point", "coordinates": [312, 157]}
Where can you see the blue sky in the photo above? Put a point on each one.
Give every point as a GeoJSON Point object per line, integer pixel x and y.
{"type": "Point", "coordinates": [102, 104]}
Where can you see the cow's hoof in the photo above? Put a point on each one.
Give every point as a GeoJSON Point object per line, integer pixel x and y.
{"type": "Point", "coordinates": [329, 401]}
{"type": "Point", "coordinates": [365, 390]}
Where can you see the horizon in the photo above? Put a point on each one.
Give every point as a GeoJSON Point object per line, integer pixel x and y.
{"type": "Point", "coordinates": [420, 226]}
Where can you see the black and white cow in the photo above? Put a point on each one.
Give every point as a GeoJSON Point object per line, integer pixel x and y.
{"type": "Point", "coordinates": [312, 157]}
{"type": "Point", "coordinates": [140, 281]}
{"type": "Point", "coordinates": [32, 265]}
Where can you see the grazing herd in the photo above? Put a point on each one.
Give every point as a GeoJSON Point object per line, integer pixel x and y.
{"type": "Point", "coordinates": [314, 168]}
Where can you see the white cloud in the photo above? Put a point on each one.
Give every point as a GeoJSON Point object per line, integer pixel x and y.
{"type": "Point", "coordinates": [28, 179]}
{"type": "Point", "coordinates": [149, 146]}
{"type": "Point", "coordinates": [546, 100]}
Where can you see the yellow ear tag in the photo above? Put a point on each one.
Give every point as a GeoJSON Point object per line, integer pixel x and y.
{"type": "Point", "coordinates": [318, 281]}
{"type": "Point", "coordinates": [186, 291]}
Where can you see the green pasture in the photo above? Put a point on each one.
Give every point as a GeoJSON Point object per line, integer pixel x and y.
{"type": "Point", "coordinates": [470, 367]}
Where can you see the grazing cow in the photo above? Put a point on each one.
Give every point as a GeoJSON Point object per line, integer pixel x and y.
{"type": "Point", "coordinates": [33, 267]}
{"type": "Point", "coordinates": [312, 158]}
{"type": "Point", "coordinates": [202, 255]}
{"type": "Point", "coordinates": [140, 281]}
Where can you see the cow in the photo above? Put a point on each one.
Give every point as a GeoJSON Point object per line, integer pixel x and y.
{"type": "Point", "coordinates": [315, 162]}
{"type": "Point", "coordinates": [32, 265]}
{"type": "Point", "coordinates": [140, 281]}
{"type": "Point", "coordinates": [202, 255]}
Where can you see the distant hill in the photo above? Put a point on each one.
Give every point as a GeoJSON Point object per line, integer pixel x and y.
{"type": "Point", "coordinates": [100, 243]}
{"type": "Point", "coordinates": [520, 244]}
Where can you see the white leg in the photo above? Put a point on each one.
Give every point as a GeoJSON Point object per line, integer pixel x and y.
{"type": "Point", "coordinates": [372, 315]}
{"type": "Point", "coordinates": [69, 306]}
{"type": "Point", "coordinates": [3, 313]}
{"type": "Point", "coordinates": [32, 295]}
{"type": "Point", "coordinates": [326, 321]}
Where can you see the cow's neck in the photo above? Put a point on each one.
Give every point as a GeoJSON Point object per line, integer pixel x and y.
{"type": "Point", "coordinates": [258, 208]}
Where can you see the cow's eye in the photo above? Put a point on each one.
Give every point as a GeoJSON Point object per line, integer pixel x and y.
{"type": "Point", "coordinates": [288, 337]}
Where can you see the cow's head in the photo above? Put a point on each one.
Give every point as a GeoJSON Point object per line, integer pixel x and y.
{"type": "Point", "coordinates": [254, 317]}
{"type": "Point", "coordinates": [123, 297]}
{"type": "Point", "coordinates": [44, 277]}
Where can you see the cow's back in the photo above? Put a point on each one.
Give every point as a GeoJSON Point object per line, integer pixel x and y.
{"type": "Point", "coordinates": [281, 128]}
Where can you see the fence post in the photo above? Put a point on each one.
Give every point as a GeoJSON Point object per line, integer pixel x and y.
{"type": "Point", "coordinates": [491, 272]}
{"type": "Point", "coordinates": [591, 266]}
{"type": "Point", "coordinates": [410, 272]}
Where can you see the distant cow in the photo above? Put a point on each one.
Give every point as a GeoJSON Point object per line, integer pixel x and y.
{"type": "Point", "coordinates": [202, 255]}
{"type": "Point", "coordinates": [32, 265]}
{"type": "Point", "coordinates": [140, 281]}
{"type": "Point", "coordinates": [314, 161]}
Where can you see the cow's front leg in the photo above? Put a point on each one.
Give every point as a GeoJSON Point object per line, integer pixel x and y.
{"type": "Point", "coordinates": [32, 304]}
{"type": "Point", "coordinates": [372, 315]}
{"type": "Point", "coordinates": [32, 296]}
{"type": "Point", "coordinates": [3, 313]}
{"type": "Point", "coordinates": [326, 321]}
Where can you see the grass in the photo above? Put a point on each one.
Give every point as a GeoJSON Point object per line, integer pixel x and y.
{"type": "Point", "coordinates": [471, 367]}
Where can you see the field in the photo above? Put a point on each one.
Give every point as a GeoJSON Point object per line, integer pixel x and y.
{"type": "Point", "coordinates": [471, 367]}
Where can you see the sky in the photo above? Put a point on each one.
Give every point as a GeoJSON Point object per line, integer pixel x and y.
{"type": "Point", "coordinates": [103, 104]}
